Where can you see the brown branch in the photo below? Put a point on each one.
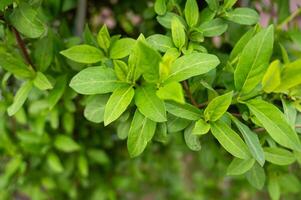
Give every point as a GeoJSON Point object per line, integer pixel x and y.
{"type": "Point", "coordinates": [188, 93]}
{"type": "Point", "coordinates": [22, 46]}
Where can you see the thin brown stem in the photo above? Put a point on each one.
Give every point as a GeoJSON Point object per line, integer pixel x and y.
{"type": "Point", "coordinates": [188, 93]}
{"type": "Point", "coordinates": [22, 46]}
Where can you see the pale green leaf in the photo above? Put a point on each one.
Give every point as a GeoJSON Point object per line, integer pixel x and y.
{"type": "Point", "coordinates": [201, 127]}
{"type": "Point", "coordinates": [66, 144]}
{"type": "Point", "coordinates": [42, 82]}
{"type": "Point", "coordinates": [160, 7]}
{"type": "Point", "coordinates": [256, 176]}
{"type": "Point", "coordinates": [245, 16]}
{"type": "Point", "coordinates": [178, 33]}
{"type": "Point", "coordinates": [279, 156]}
{"type": "Point", "coordinates": [118, 103]}
{"type": "Point", "coordinates": [149, 104]}
{"type": "Point", "coordinates": [103, 38]}
{"type": "Point", "coordinates": [239, 166]}
{"type": "Point", "coordinates": [185, 111]}
{"type": "Point", "coordinates": [171, 91]}
{"type": "Point", "coordinates": [271, 79]}
{"type": "Point", "coordinates": [160, 42]}
{"type": "Point", "coordinates": [213, 27]}
{"type": "Point", "coordinates": [95, 108]}
{"type": "Point", "coordinates": [121, 48]}
{"type": "Point", "coordinates": [191, 140]}
{"type": "Point", "coordinates": [191, 12]}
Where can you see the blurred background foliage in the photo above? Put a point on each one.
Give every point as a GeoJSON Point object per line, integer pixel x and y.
{"type": "Point", "coordinates": [58, 154]}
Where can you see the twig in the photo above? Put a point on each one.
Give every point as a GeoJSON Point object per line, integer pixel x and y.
{"type": "Point", "coordinates": [187, 91]}
{"type": "Point", "coordinates": [22, 47]}
{"type": "Point", "coordinates": [80, 17]}
{"type": "Point", "coordinates": [289, 18]}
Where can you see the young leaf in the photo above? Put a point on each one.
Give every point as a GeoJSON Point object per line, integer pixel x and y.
{"type": "Point", "coordinates": [66, 144]}
{"type": "Point", "coordinates": [103, 38]}
{"type": "Point", "coordinates": [239, 166]}
{"type": "Point", "coordinates": [148, 61]}
{"type": "Point", "coordinates": [42, 82]}
{"type": "Point", "coordinates": [256, 176]}
{"type": "Point", "coordinates": [279, 156]}
{"type": "Point", "coordinates": [192, 141]}
{"type": "Point", "coordinates": [54, 163]}
{"type": "Point", "coordinates": [218, 106]}
{"type": "Point", "coordinates": [185, 111]}
{"type": "Point", "coordinates": [191, 12]}
{"type": "Point", "coordinates": [160, 42]}
{"type": "Point", "coordinates": [160, 7]}
{"type": "Point", "coordinates": [83, 54]}
{"type": "Point", "coordinates": [251, 140]}
{"type": "Point", "coordinates": [95, 80]}
{"type": "Point", "coordinates": [121, 48]}
{"type": "Point", "coordinates": [95, 108]}
{"type": "Point", "coordinates": [178, 33]}
{"type": "Point", "coordinates": [213, 27]}
{"type": "Point", "coordinates": [191, 65]}
{"type": "Point", "coordinates": [245, 16]}
{"type": "Point", "coordinates": [171, 91]}
{"type": "Point", "coordinates": [141, 132]}
{"type": "Point", "coordinates": [118, 103]}
{"type": "Point", "coordinates": [149, 104]}
{"type": "Point", "coordinates": [26, 20]}
{"type": "Point", "coordinates": [15, 66]}
{"type": "Point", "coordinates": [275, 123]}
{"type": "Point", "coordinates": [253, 60]}
{"type": "Point", "coordinates": [229, 140]}
{"type": "Point", "coordinates": [271, 79]}
{"type": "Point", "coordinates": [290, 76]}
{"type": "Point", "coordinates": [57, 92]}
{"type": "Point", "coordinates": [20, 98]}
{"type": "Point", "coordinates": [201, 127]}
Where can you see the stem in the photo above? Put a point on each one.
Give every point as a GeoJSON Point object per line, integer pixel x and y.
{"type": "Point", "coordinates": [289, 18]}
{"type": "Point", "coordinates": [22, 47]}
{"type": "Point", "coordinates": [80, 17]}
{"type": "Point", "coordinates": [187, 91]}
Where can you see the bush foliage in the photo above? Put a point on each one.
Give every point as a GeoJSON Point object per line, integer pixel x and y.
{"type": "Point", "coordinates": [182, 100]}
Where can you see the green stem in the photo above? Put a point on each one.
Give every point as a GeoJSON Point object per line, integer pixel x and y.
{"type": "Point", "coordinates": [289, 19]}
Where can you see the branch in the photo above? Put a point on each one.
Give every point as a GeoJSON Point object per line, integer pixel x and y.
{"type": "Point", "coordinates": [80, 17]}
{"type": "Point", "coordinates": [22, 47]}
{"type": "Point", "coordinates": [188, 93]}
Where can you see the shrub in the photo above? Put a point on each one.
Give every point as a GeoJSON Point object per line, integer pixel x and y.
{"type": "Point", "coordinates": [210, 76]}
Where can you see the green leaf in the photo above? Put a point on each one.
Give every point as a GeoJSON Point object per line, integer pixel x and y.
{"type": "Point", "coordinates": [160, 7]}
{"type": "Point", "coordinates": [251, 140]}
{"type": "Point", "coordinates": [171, 91]}
{"type": "Point", "coordinates": [289, 183]}
{"type": "Point", "coordinates": [98, 156]}
{"type": "Point", "coordinates": [149, 104]}
{"type": "Point", "coordinates": [201, 127]}
{"type": "Point", "coordinates": [290, 76]}
{"type": "Point", "coordinates": [166, 19]}
{"type": "Point", "coordinates": [160, 42]}
{"type": "Point", "coordinates": [253, 60]}
{"type": "Point", "coordinates": [20, 98]}
{"type": "Point", "coordinates": [176, 124]}
{"type": "Point", "coordinates": [229, 140]}
{"type": "Point", "coordinates": [121, 48]}
{"type": "Point", "coordinates": [95, 108]}
{"type": "Point", "coordinates": [95, 80]}
{"type": "Point", "coordinates": [66, 144]}
{"type": "Point", "coordinates": [213, 4]}
{"type": "Point", "coordinates": [279, 156]}
{"type": "Point", "coordinates": [103, 38]}
{"type": "Point", "coordinates": [15, 66]}
{"type": "Point", "coordinates": [148, 62]}
{"type": "Point", "coordinates": [271, 79]}
{"type": "Point", "coordinates": [57, 92]}
{"type": "Point", "coordinates": [42, 82]}
{"type": "Point", "coordinates": [161, 133]}
{"type": "Point", "coordinates": [83, 54]}
{"type": "Point", "coordinates": [241, 43]}
{"type": "Point", "coordinates": [245, 16]}
{"type": "Point", "coordinates": [218, 106]}
{"type": "Point", "coordinates": [274, 187]}
{"type": "Point", "coordinates": [82, 165]}
{"type": "Point", "coordinates": [26, 20]}
{"type": "Point", "coordinates": [239, 166]}
{"type": "Point", "coordinates": [185, 111]}
{"type": "Point", "coordinates": [213, 27]}
{"type": "Point", "coordinates": [118, 103]}
{"type": "Point", "coordinates": [192, 141]}
{"type": "Point", "coordinates": [273, 120]}
{"type": "Point", "coordinates": [54, 163]}
{"type": "Point", "coordinates": [178, 33]}
{"type": "Point", "coordinates": [121, 69]}
{"type": "Point", "coordinates": [191, 12]}
{"type": "Point", "coordinates": [191, 65]}
{"type": "Point", "coordinates": [141, 132]}
{"type": "Point", "coordinates": [229, 4]}
{"type": "Point", "coordinates": [256, 176]}
{"type": "Point", "coordinates": [44, 52]}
